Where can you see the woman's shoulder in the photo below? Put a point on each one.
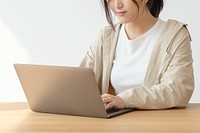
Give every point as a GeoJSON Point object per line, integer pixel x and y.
{"type": "Point", "coordinates": [175, 23]}
{"type": "Point", "coordinates": [115, 28]}
{"type": "Point", "coordinates": [175, 27]}
{"type": "Point", "coordinates": [109, 31]}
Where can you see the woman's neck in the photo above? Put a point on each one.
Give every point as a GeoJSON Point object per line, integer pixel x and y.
{"type": "Point", "coordinates": [139, 26]}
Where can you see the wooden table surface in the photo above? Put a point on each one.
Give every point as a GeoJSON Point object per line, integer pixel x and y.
{"type": "Point", "coordinates": [18, 118]}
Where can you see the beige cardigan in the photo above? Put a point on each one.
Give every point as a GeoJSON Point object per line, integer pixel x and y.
{"type": "Point", "coordinates": [169, 81]}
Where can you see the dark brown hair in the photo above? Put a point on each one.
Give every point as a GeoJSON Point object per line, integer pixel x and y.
{"type": "Point", "coordinates": [155, 7]}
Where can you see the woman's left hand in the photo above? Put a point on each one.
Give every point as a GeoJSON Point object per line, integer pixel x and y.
{"type": "Point", "coordinates": [111, 101]}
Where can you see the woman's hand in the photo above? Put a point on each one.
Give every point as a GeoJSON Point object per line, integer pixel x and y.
{"type": "Point", "coordinates": [111, 101]}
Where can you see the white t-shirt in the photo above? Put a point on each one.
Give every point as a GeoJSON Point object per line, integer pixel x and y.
{"type": "Point", "coordinates": [132, 57]}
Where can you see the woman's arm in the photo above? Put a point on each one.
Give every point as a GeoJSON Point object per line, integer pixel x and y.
{"type": "Point", "coordinates": [175, 87]}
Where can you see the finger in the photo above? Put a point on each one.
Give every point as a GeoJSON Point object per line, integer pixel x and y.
{"type": "Point", "coordinates": [107, 99]}
{"type": "Point", "coordinates": [105, 95]}
{"type": "Point", "coordinates": [116, 102]}
{"type": "Point", "coordinates": [110, 105]}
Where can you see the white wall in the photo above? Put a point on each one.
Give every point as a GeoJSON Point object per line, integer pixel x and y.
{"type": "Point", "coordinates": [59, 32]}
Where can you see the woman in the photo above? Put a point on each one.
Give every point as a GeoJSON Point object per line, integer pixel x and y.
{"type": "Point", "coordinates": [146, 61]}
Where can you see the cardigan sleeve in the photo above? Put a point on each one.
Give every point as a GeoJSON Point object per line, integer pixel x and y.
{"type": "Point", "coordinates": [175, 86]}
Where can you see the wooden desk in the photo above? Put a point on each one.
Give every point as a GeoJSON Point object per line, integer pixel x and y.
{"type": "Point", "coordinates": [18, 118]}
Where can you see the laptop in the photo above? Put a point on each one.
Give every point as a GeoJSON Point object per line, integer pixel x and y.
{"type": "Point", "coordinates": [63, 90]}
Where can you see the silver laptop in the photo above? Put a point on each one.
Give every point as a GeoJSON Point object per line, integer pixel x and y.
{"type": "Point", "coordinates": [63, 90]}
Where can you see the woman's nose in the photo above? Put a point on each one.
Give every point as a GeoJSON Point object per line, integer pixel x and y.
{"type": "Point", "coordinates": [118, 4]}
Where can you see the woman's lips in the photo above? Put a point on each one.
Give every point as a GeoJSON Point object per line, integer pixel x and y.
{"type": "Point", "coordinates": [120, 13]}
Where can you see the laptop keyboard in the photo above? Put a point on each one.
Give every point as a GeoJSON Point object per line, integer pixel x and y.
{"type": "Point", "coordinates": [112, 110]}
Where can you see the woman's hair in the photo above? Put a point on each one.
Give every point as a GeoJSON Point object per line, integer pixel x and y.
{"type": "Point", "coordinates": [155, 7]}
